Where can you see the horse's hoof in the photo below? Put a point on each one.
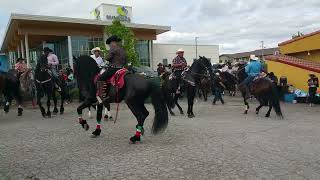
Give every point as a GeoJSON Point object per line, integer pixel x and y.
{"type": "Point", "coordinates": [110, 118]}
{"type": "Point", "coordinates": [6, 109]}
{"type": "Point", "coordinates": [257, 112]}
{"type": "Point", "coordinates": [181, 112]}
{"type": "Point", "coordinates": [49, 114]}
{"type": "Point", "coordinates": [20, 110]}
{"type": "Point", "coordinates": [96, 133]}
{"type": "Point", "coordinates": [135, 139]}
{"type": "Point", "coordinates": [61, 110]}
{"type": "Point", "coordinates": [86, 126]}
{"type": "Point", "coordinates": [172, 113]}
{"type": "Point", "coordinates": [106, 117]}
{"type": "Point", "coordinates": [55, 111]}
{"type": "Point", "coordinates": [191, 116]}
{"type": "Point", "coordinates": [267, 115]}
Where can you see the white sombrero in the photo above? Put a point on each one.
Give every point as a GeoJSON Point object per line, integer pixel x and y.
{"type": "Point", "coordinates": [253, 57]}
{"type": "Point", "coordinates": [95, 49]}
{"type": "Point", "coordinates": [180, 50]}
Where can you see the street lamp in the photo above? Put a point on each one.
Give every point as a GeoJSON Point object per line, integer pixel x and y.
{"type": "Point", "coordinates": [196, 39]}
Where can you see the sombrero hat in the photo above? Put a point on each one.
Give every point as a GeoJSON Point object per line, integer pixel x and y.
{"type": "Point", "coordinates": [113, 38]}
{"type": "Point", "coordinates": [95, 49]}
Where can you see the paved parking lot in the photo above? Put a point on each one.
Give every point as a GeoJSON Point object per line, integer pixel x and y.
{"type": "Point", "coordinates": [220, 143]}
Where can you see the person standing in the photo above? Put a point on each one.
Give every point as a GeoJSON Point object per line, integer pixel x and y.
{"type": "Point", "coordinates": [20, 67]}
{"type": "Point", "coordinates": [218, 89]}
{"type": "Point", "coordinates": [179, 63]}
{"type": "Point", "coordinates": [313, 84]}
{"type": "Point", "coordinates": [96, 55]}
{"type": "Point", "coordinates": [161, 69]}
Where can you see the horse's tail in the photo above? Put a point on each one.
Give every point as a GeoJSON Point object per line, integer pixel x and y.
{"type": "Point", "coordinates": [161, 114]}
{"type": "Point", "coordinates": [276, 101]}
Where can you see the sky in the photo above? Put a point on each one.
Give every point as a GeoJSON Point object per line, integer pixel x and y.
{"type": "Point", "coordinates": [234, 25]}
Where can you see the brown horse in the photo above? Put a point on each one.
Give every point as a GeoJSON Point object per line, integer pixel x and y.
{"type": "Point", "coordinates": [264, 91]}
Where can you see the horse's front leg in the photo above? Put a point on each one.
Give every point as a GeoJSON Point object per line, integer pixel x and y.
{"type": "Point", "coordinates": [246, 104]}
{"type": "Point", "coordinates": [48, 105]}
{"type": "Point", "coordinates": [258, 108]}
{"type": "Point", "coordinates": [191, 95]}
{"type": "Point", "coordinates": [80, 108]}
{"type": "Point", "coordinates": [97, 132]}
{"type": "Point", "coordinates": [43, 111]}
{"type": "Point", "coordinates": [176, 98]}
{"type": "Point", "coordinates": [107, 114]}
{"type": "Point", "coordinates": [55, 102]}
{"type": "Point", "coordinates": [63, 97]}
{"type": "Point", "coordinates": [270, 108]}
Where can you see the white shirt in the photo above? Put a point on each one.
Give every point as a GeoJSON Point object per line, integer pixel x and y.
{"type": "Point", "coordinates": [98, 60]}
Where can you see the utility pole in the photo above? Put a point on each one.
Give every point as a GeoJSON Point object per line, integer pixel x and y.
{"type": "Point", "coordinates": [196, 39]}
{"type": "Point", "coordinates": [262, 48]}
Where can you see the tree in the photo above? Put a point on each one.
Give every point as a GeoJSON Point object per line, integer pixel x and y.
{"type": "Point", "coordinates": [128, 40]}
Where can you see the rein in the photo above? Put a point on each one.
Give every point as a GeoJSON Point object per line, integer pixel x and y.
{"type": "Point", "coordinates": [43, 82]}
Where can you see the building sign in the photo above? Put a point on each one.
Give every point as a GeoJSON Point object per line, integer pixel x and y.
{"type": "Point", "coordinates": [110, 12]}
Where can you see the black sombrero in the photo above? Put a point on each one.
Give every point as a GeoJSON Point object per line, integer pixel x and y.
{"type": "Point", "coordinates": [113, 38]}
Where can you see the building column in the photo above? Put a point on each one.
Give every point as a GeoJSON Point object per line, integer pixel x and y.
{"type": "Point", "coordinates": [22, 49]}
{"type": "Point", "coordinates": [18, 51]}
{"type": "Point", "coordinates": [26, 42]}
{"type": "Point", "coordinates": [70, 52]}
{"type": "Point", "coordinates": [151, 54]}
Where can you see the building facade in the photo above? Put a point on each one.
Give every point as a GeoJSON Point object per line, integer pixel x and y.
{"type": "Point", "coordinates": [165, 53]}
{"type": "Point", "coordinates": [27, 35]}
{"type": "Point", "coordinates": [245, 56]}
{"type": "Point", "coordinates": [299, 57]}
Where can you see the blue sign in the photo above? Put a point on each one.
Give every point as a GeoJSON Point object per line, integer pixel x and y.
{"type": "Point", "coordinates": [4, 65]}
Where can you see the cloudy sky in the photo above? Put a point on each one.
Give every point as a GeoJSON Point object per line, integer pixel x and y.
{"type": "Point", "coordinates": [236, 25]}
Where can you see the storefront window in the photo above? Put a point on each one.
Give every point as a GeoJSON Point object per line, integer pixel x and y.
{"type": "Point", "coordinates": [83, 45]}
{"type": "Point", "coordinates": [143, 50]}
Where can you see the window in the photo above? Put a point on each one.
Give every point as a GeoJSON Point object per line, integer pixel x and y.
{"type": "Point", "coordinates": [165, 62]}
{"type": "Point", "coordinates": [142, 48]}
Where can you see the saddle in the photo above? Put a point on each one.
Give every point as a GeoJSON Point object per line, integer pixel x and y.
{"type": "Point", "coordinates": [117, 81]}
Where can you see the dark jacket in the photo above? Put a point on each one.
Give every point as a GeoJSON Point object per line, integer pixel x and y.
{"type": "Point", "coordinates": [117, 57]}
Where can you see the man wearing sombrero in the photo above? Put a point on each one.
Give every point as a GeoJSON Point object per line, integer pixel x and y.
{"type": "Point", "coordinates": [96, 55]}
{"type": "Point", "coordinates": [179, 63]}
{"type": "Point", "coordinates": [117, 58]}
{"type": "Point", "coordinates": [253, 69]}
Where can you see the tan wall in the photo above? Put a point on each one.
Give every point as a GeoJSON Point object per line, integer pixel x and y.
{"type": "Point", "coordinates": [303, 45]}
{"type": "Point", "coordinates": [314, 55]}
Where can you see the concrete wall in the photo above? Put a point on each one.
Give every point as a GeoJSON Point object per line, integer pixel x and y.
{"type": "Point", "coordinates": [168, 51]}
{"type": "Point", "coordinates": [298, 77]}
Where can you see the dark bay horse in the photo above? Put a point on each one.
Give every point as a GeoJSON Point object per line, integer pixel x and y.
{"type": "Point", "coordinates": [192, 78]}
{"type": "Point", "coordinates": [263, 90]}
{"type": "Point", "coordinates": [230, 81]}
{"type": "Point", "coordinates": [169, 88]}
{"type": "Point", "coordinates": [135, 91]}
{"type": "Point", "coordinates": [10, 88]}
{"type": "Point", "coordinates": [45, 86]}
{"type": "Point", "coordinates": [205, 87]}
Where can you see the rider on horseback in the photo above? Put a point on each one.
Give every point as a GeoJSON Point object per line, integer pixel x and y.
{"type": "Point", "coordinates": [52, 62]}
{"type": "Point", "coordinates": [179, 63]}
{"type": "Point", "coordinates": [253, 70]}
{"type": "Point", "coordinates": [117, 58]}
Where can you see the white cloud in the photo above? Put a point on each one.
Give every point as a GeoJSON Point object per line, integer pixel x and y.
{"type": "Point", "coordinates": [236, 25]}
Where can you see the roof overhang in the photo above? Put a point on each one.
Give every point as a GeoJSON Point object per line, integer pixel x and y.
{"type": "Point", "coordinates": [16, 20]}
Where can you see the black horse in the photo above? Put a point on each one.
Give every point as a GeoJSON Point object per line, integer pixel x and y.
{"type": "Point", "coordinates": [135, 91]}
{"type": "Point", "coordinates": [263, 90]}
{"type": "Point", "coordinates": [45, 85]}
{"type": "Point", "coordinates": [193, 76]}
{"type": "Point", "coordinates": [230, 81]}
{"type": "Point", "coordinates": [10, 88]}
{"type": "Point", "coordinates": [169, 86]}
